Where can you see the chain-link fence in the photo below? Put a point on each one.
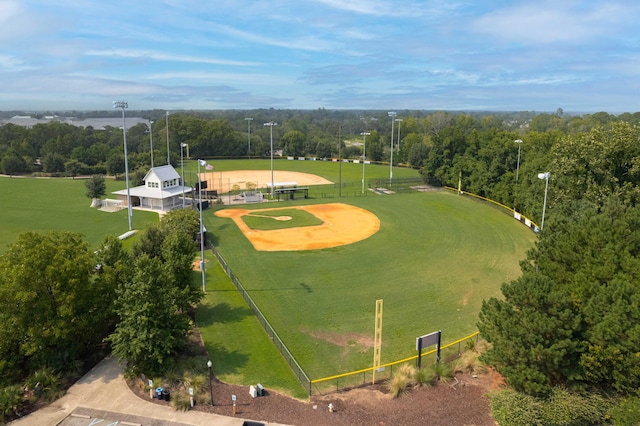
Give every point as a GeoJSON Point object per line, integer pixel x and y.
{"type": "Point", "coordinates": [278, 343]}
{"type": "Point", "coordinates": [366, 376]}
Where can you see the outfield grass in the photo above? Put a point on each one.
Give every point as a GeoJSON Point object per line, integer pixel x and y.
{"type": "Point", "coordinates": [434, 260]}
{"type": "Point", "coordinates": [28, 204]}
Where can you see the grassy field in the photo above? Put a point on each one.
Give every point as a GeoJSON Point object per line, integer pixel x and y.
{"type": "Point", "coordinates": [237, 344]}
{"type": "Point", "coordinates": [28, 204]}
{"type": "Point", "coordinates": [434, 260]}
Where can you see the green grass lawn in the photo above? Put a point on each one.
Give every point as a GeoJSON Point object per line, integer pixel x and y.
{"type": "Point", "coordinates": [434, 260]}
{"type": "Point", "coordinates": [238, 346]}
{"type": "Point", "coordinates": [28, 204]}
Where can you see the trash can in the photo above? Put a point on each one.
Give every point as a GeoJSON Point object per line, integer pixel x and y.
{"type": "Point", "coordinates": [166, 394]}
{"type": "Point", "coordinates": [159, 393]}
{"type": "Point", "coordinates": [260, 390]}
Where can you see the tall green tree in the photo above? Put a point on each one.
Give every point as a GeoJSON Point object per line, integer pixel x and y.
{"type": "Point", "coordinates": [95, 187]}
{"type": "Point", "coordinates": [573, 317]}
{"type": "Point", "coordinates": [151, 329]}
{"type": "Point", "coordinates": [153, 305]}
{"type": "Point", "coordinates": [48, 302]}
{"type": "Point", "coordinates": [293, 143]}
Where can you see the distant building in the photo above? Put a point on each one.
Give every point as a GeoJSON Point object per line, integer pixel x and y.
{"type": "Point", "coordinates": [162, 190]}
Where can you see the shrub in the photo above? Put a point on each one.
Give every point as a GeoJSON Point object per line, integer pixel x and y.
{"type": "Point", "coordinates": [45, 383]}
{"type": "Point", "coordinates": [398, 385]}
{"type": "Point", "coordinates": [10, 398]}
{"type": "Point", "coordinates": [563, 408]}
{"type": "Point", "coordinates": [627, 412]}
{"type": "Point", "coordinates": [180, 402]}
{"type": "Point", "coordinates": [443, 371]}
{"type": "Point", "coordinates": [424, 377]}
{"type": "Point", "coordinates": [406, 370]}
{"type": "Point", "coordinates": [469, 362]}
{"type": "Point", "coordinates": [511, 408]}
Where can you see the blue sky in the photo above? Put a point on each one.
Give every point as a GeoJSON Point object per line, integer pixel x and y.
{"type": "Point", "coordinates": [582, 56]}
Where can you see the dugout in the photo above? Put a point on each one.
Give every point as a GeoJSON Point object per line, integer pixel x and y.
{"type": "Point", "coordinates": [290, 193]}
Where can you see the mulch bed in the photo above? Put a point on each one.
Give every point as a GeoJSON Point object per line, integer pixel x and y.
{"type": "Point", "coordinates": [461, 403]}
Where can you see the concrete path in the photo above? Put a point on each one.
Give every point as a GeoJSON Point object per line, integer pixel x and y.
{"type": "Point", "coordinates": [103, 397]}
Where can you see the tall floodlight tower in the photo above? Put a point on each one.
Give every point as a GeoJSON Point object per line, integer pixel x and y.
{"type": "Point", "coordinates": [544, 176]}
{"type": "Point", "coordinates": [364, 152]}
{"type": "Point", "coordinates": [392, 114]}
{"type": "Point", "coordinates": [271, 124]}
{"type": "Point", "coordinates": [249, 119]}
{"type": "Point", "coordinates": [168, 152]}
{"type": "Point", "coordinates": [123, 105]}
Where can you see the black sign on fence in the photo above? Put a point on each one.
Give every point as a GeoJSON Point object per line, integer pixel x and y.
{"type": "Point", "coordinates": [428, 340]}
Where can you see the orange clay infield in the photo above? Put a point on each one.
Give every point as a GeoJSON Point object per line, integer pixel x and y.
{"type": "Point", "coordinates": [342, 224]}
{"type": "Point", "coordinates": [249, 179]}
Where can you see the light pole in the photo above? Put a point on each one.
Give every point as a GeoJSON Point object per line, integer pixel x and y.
{"type": "Point", "coordinates": [271, 124]}
{"type": "Point", "coordinates": [249, 119]}
{"type": "Point", "coordinates": [364, 151]}
{"type": "Point", "coordinates": [182, 146]}
{"type": "Point", "coordinates": [168, 153]}
{"type": "Point", "coordinates": [544, 176]}
{"type": "Point", "coordinates": [151, 141]}
{"type": "Point", "coordinates": [204, 275]}
{"type": "Point", "coordinates": [398, 120]}
{"type": "Point", "coordinates": [519, 142]}
{"type": "Point", "coordinates": [392, 114]}
{"type": "Point", "coordinates": [210, 382]}
{"type": "Point", "coordinates": [122, 105]}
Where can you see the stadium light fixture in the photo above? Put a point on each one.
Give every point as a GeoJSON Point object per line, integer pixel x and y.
{"type": "Point", "coordinates": [544, 176]}
{"type": "Point", "coordinates": [168, 152]}
{"type": "Point", "coordinates": [519, 142]}
{"type": "Point", "coordinates": [182, 146]}
{"type": "Point", "coordinates": [123, 105]}
{"type": "Point", "coordinates": [249, 120]}
{"type": "Point", "coordinates": [202, 267]}
{"type": "Point", "coordinates": [392, 114]}
{"type": "Point", "coordinates": [364, 151]}
{"type": "Point", "coordinates": [150, 140]}
{"type": "Point", "coordinates": [271, 124]}
{"type": "Point", "coordinates": [399, 121]}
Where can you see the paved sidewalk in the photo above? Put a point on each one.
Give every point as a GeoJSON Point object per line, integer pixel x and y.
{"type": "Point", "coordinates": [103, 392]}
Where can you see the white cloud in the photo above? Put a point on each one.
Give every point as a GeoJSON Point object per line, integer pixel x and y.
{"type": "Point", "coordinates": [12, 64]}
{"type": "Point", "coordinates": [551, 22]}
{"type": "Point", "coordinates": [161, 56]}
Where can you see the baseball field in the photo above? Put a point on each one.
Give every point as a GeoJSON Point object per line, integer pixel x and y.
{"type": "Point", "coordinates": [431, 257]}
{"type": "Point", "coordinates": [315, 267]}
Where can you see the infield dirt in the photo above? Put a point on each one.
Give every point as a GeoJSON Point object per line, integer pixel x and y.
{"type": "Point", "coordinates": [342, 224]}
{"type": "Point", "coordinates": [243, 180]}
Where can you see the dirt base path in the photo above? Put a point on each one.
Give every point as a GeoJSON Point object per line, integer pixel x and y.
{"type": "Point", "coordinates": [342, 224]}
